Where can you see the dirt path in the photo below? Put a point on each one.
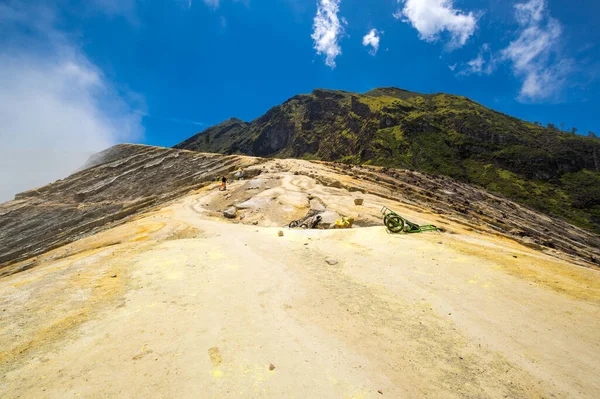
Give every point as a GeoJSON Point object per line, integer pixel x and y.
{"type": "Point", "coordinates": [185, 306]}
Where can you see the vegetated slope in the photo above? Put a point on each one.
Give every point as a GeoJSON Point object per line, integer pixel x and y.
{"type": "Point", "coordinates": [551, 171]}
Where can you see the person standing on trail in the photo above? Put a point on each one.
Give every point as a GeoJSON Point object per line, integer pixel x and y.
{"type": "Point", "coordinates": [223, 184]}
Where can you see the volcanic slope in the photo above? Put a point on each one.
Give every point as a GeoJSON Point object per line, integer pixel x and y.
{"type": "Point", "coordinates": [173, 300]}
{"type": "Point", "coordinates": [557, 173]}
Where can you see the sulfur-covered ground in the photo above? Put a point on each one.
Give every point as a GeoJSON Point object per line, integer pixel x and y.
{"type": "Point", "coordinates": [179, 302]}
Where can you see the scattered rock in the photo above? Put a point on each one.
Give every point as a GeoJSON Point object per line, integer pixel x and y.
{"type": "Point", "coordinates": [271, 367]}
{"type": "Point", "coordinates": [515, 256]}
{"type": "Point", "coordinates": [253, 203]}
{"type": "Point", "coordinates": [335, 184]}
{"type": "Point", "coordinates": [353, 189]}
{"type": "Point", "coordinates": [230, 213]}
{"type": "Point", "coordinates": [331, 261]}
{"type": "Point", "coordinates": [280, 233]}
{"type": "Point", "coordinates": [379, 392]}
{"type": "Point", "coordinates": [113, 276]}
{"type": "Point", "coordinates": [358, 201]}
{"type": "Point", "coordinates": [215, 356]}
{"type": "Point", "coordinates": [316, 205]}
{"type": "Point", "coordinates": [255, 184]}
{"type": "Point", "coordinates": [328, 218]}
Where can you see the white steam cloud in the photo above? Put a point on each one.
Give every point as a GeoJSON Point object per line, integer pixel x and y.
{"type": "Point", "coordinates": [56, 107]}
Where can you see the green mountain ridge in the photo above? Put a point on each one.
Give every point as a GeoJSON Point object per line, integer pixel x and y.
{"type": "Point", "coordinates": [551, 171]}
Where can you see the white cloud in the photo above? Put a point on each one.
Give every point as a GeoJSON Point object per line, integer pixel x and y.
{"type": "Point", "coordinates": [483, 64]}
{"type": "Point", "coordinates": [476, 64]}
{"type": "Point", "coordinates": [372, 39]}
{"type": "Point", "coordinates": [432, 17]}
{"type": "Point", "coordinates": [535, 52]}
{"type": "Point", "coordinates": [115, 7]}
{"type": "Point", "coordinates": [214, 4]}
{"type": "Point", "coordinates": [327, 30]}
{"type": "Point", "coordinates": [56, 107]}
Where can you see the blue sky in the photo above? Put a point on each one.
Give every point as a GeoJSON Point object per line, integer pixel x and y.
{"type": "Point", "coordinates": [80, 76]}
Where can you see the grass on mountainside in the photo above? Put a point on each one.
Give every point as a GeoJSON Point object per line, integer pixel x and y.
{"type": "Point", "coordinates": [551, 171]}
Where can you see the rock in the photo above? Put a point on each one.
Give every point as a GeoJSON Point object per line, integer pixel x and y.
{"type": "Point", "coordinates": [316, 205]}
{"type": "Point", "coordinates": [331, 261]}
{"type": "Point", "coordinates": [280, 233]}
{"type": "Point", "coordinates": [353, 189]}
{"type": "Point", "coordinates": [230, 213]}
{"type": "Point", "coordinates": [335, 184]}
{"type": "Point", "coordinates": [215, 356]}
{"type": "Point", "coordinates": [255, 184]}
{"type": "Point", "coordinates": [113, 276]}
{"type": "Point", "coordinates": [358, 201]}
{"type": "Point", "coordinates": [238, 175]}
{"type": "Point", "coordinates": [271, 367]}
{"type": "Point", "coordinates": [253, 203]}
{"type": "Point", "coordinates": [328, 218]}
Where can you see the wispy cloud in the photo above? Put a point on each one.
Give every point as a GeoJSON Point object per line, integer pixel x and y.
{"type": "Point", "coordinates": [328, 28]}
{"type": "Point", "coordinates": [111, 8]}
{"type": "Point", "coordinates": [535, 52]}
{"type": "Point", "coordinates": [56, 106]}
{"type": "Point", "coordinates": [214, 4]}
{"type": "Point", "coordinates": [433, 17]}
{"type": "Point", "coordinates": [171, 119]}
{"type": "Point", "coordinates": [372, 39]}
{"type": "Point", "coordinates": [114, 7]}
{"type": "Point", "coordinates": [483, 64]}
